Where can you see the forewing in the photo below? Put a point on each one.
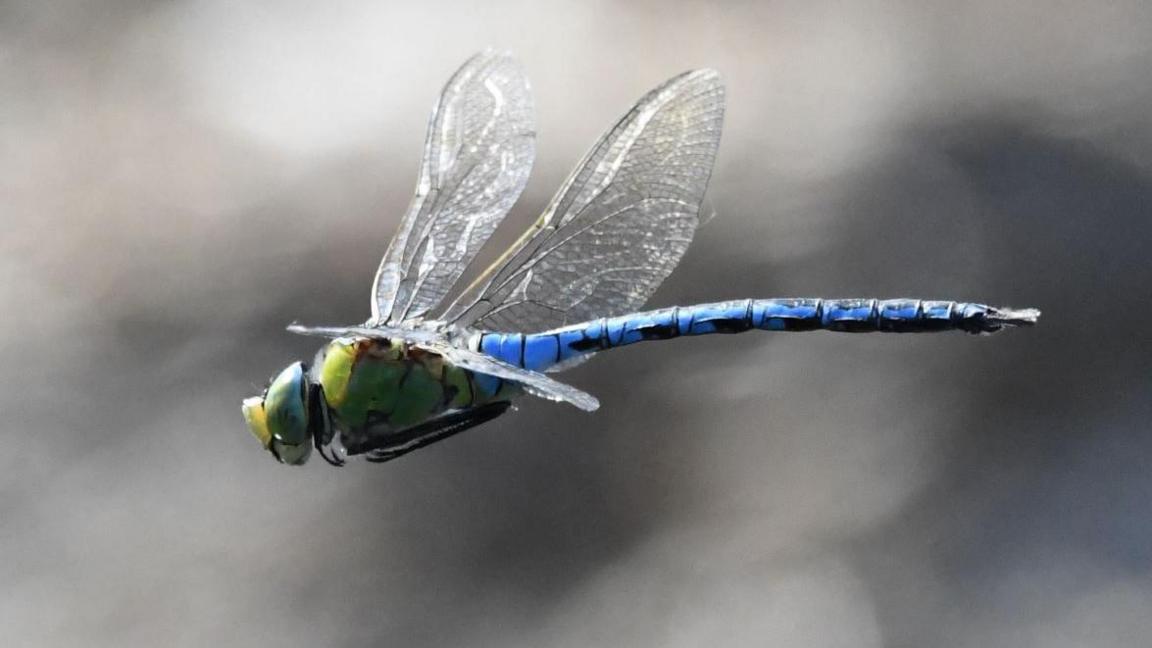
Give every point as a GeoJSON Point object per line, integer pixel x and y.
{"type": "Point", "coordinates": [477, 158]}
{"type": "Point", "coordinates": [409, 335]}
{"type": "Point", "coordinates": [620, 223]}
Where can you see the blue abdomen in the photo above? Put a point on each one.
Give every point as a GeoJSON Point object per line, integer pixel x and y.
{"type": "Point", "coordinates": [540, 351]}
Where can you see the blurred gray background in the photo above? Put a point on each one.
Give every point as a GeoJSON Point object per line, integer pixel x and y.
{"type": "Point", "coordinates": [179, 180]}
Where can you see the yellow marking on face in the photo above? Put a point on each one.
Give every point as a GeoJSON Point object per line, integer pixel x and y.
{"type": "Point", "coordinates": [257, 420]}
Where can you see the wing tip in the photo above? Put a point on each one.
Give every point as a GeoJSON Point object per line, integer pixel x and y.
{"type": "Point", "coordinates": [703, 75]}
{"type": "Point", "coordinates": [587, 402]}
{"type": "Point", "coordinates": [310, 331]}
{"type": "Point", "coordinates": [695, 81]}
{"type": "Point", "coordinates": [491, 54]}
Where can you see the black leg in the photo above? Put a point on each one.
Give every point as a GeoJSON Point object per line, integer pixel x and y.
{"type": "Point", "coordinates": [440, 428]}
{"type": "Point", "coordinates": [320, 425]}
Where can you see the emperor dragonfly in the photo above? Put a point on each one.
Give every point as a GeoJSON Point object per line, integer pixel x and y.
{"type": "Point", "coordinates": [424, 367]}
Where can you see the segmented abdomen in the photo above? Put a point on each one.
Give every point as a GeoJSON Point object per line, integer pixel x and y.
{"type": "Point", "coordinates": [539, 351]}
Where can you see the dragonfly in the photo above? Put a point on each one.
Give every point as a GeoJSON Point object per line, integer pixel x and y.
{"type": "Point", "coordinates": [439, 356]}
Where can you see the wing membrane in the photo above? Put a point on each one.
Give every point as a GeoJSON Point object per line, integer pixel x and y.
{"type": "Point", "coordinates": [534, 383]}
{"type": "Point", "coordinates": [619, 224]}
{"type": "Point", "coordinates": [409, 335]}
{"type": "Point", "coordinates": [477, 158]}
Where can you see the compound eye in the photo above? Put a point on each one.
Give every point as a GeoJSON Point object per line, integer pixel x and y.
{"type": "Point", "coordinates": [286, 407]}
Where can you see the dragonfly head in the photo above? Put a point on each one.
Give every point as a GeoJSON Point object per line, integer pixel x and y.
{"type": "Point", "coordinates": [279, 418]}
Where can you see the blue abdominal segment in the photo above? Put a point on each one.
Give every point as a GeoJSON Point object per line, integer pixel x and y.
{"type": "Point", "coordinates": [540, 351]}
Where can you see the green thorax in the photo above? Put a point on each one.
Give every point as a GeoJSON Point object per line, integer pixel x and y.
{"type": "Point", "coordinates": [370, 382]}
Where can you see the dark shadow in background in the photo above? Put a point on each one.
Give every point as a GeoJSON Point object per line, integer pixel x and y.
{"type": "Point", "coordinates": [1057, 466]}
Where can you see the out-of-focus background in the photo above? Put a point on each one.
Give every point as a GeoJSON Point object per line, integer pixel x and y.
{"type": "Point", "coordinates": [179, 180]}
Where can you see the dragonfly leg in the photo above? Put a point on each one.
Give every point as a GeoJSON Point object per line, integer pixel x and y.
{"type": "Point", "coordinates": [330, 455]}
{"type": "Point", "coordinates": [320, 422]}
{"type": "Point", "coordinates": [401, 443]}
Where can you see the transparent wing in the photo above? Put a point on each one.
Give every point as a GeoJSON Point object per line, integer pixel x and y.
{"type": "Point", "coordinates": [477, 158]}
{"type": "Point", "coordinates": [620, 223]}
{"type": "Point", "coordinates": [534, 383]}
{"type": "Point", "coordinates": [409, 335]}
